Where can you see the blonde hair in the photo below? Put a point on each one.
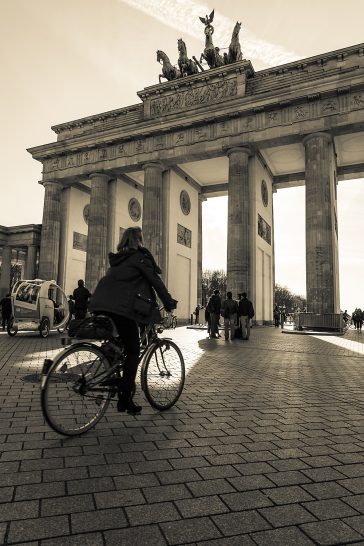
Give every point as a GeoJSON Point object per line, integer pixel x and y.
{"type": "Point", "coordinates": [132, 238]}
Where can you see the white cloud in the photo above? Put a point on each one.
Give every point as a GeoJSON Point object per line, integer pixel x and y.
{"type": "Point", "coordinates": [185, 14]}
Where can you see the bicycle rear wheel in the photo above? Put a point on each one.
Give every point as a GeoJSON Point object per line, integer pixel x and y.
{"type": "Point", "coordinates": [73, 400]}
{"type": "Point", "coordinates": [163, 374]}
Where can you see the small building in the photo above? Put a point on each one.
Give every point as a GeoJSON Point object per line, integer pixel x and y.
{"type": "Point", "coordinates": [19, 254]}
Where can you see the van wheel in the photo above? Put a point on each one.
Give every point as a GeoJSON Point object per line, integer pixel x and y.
{"type": "Point", "coordinates": [44, 327]}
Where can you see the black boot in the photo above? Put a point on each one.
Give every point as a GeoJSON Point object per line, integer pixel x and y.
{"type": "Point", "coordinates": [126, 403]}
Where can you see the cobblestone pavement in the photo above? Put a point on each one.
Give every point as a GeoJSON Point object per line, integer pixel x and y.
{"type": "Point", "coordinates": [265, 447]}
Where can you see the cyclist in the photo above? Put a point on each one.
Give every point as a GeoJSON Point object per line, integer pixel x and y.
{"type": "Point", "coordinates": [127, 294]}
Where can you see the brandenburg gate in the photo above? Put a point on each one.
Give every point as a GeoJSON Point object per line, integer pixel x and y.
{"type": "Point", "coordinates": [223, 130]}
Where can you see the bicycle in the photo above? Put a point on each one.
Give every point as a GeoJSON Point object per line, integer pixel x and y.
{"type": "Point", "coordinates": [170, 321]}
{"type": "Point", "coordinates": [77, 386]}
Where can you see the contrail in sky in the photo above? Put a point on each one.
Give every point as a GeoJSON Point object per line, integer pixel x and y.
{"type": "Point", "coordinates": [184, 16]}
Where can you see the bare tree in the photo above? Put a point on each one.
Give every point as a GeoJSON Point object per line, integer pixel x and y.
{"type": "Point", "coordinates": [213, 279]}
{"type": "Point", "coordinates": [283, 297]}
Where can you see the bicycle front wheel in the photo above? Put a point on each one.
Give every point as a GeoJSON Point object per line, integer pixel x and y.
{"type": "Point", "coordinates": [163, 374]}
{"type": "Point", "coordinates": [73, 400]}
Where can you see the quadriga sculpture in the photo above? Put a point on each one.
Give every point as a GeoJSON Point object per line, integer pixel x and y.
{"type": "Point", "coordinates": [235, 53]}
{"type": "Point", "coordinates": [169, 72]}
{"type": "Point", "coordinates": [187, 66]}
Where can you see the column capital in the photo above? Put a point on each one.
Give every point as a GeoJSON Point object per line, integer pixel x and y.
{"type": "Point", "coordinates": [325, 136]}
{"type": "Point", "coordinates": [100, 175]}
{"type": "Point", "coordinates": [201, 197]}
{"type": "Point", "coordinates": [240, 149]}
{"type": "Point", "coordinates": [153, 164]}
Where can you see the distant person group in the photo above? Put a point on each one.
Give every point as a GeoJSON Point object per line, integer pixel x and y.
{"type": "Point", "coordinates": [237, 315]}
{"type": "Point", "coordinates": [279, 316]}
{"type": "Point", "coordinates": [357, 318]}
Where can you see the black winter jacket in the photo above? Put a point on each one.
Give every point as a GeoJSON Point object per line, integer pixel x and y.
{"type": "Point", "coordinates": [129, 286]}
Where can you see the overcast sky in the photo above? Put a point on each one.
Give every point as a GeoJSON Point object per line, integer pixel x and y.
{"type": "Point", "coordinates": [66, 59]}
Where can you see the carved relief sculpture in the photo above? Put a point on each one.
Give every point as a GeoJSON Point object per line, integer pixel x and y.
{"type": "Point", "coordinates": [264, 230]}
{"type": "Point", "coordinates": [86, 213]}
{"type": "Point", "coordinates": [204, 94]}
{"type": "Point", "coordinates": [135, 210]}
{"type": "Point", "coordinates": [185, 202]}
{"type": "Point", "coordinates": [184, 236]}
{"type": "Point", "coordinates": [264, 193]}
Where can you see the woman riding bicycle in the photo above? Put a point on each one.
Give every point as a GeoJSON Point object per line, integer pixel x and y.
{"type": "Point", "coordinates": [127, 295]}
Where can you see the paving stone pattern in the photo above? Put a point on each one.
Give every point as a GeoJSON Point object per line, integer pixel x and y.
{"type": "Point", "coordinates": [265, 447]}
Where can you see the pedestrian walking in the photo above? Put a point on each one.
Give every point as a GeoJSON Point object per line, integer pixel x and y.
{"type": "Point", "coordinates": [214, 307]}
{"type": "Point", "coordinates": [6, 310]}
{"type": "Point", "coordinates": [359, 319]}
{"type": "Point", "coordinates": [208, 321]}
{"type": "Point", "coordinates": [346, 317]}
{"type": "Point", "coordinates": [197, 314]}
{"type": "Point", "coordinates": [81, 297]}
{"type": "Point", "coordinates": [229, 310]}
{"type": "Point", "coordinates": [283, 318]}
{"type": "Point", "coordinates": [276, 316]}
{"type": "Point", "coordinates": [355, 318]}
{"type": "Point", "coordinates": [246, 313]}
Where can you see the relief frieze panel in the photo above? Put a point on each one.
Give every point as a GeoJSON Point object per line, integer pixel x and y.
{"type": "Point", "coordinates": [247, 123]}
{"type": "Point", "coordinates": [200, 133]}
{"type": "Point", "coordinates": [264, 230]}
{"type": "Point", "coordinates": [357, 101]}
{"type": "Point", "coordinates": [140, 146]}
{"type": "Point", "coordinates": [159, 142]}
{"type": "Point", "coordinates": [261, 119]}
{"type": "Point", "coordinates": [88, 157]}
{"type": "Point", "coordinates": [329, 106]}
{"type": "Point", "coordinates": [102, 153]}
{"type": "Point", "coordinates": [71, 161]}
{"type": "Point", "coordinates": [202, 95]}
{"type": "Point", "coordinates": [223, 128]}
{"type": "Point", "coordinates": [300, 112]}
{"type": "Point", "coordinates": [273, 118]}
{"type": "Point", "coordinates": [180, 138]}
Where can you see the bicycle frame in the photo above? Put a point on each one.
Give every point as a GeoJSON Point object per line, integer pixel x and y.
{"type": "Point", "coordinates": [148, 338]}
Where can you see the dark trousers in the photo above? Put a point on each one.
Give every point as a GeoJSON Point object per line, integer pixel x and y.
{"type": "Point", "coordinates": [129, 334]}
{"type": "Point", "coordinates": [5, 320]}
{"type": "Point", "coordinates": [80, 313]}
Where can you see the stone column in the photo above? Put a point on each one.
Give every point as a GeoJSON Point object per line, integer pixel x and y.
{"type": "Point", "coordinates": [31, 262]}
{"type": "Point", "coordinates": [153, 210]}
{"type": "Point", "coordinates": [201, 199]}
{"type": "Point", "coordinates": [111, 216]}
{"type": "Point", "coordinates": [97, 230]}
{"type": "Point", "coordinates": [321, 235]}
{"type": "Point", "coordinates": [238, 233]}
{"type": "Point", "coordinates": [51, 228]}
{"type": "Point", "coordinates": [5, 271]}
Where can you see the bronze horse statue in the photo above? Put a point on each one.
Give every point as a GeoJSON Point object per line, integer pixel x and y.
{"type": "Point", "coordinates": [169, 71]}
{"type": "Point", "coordinates": [235, 53]}
{"type": "Point", "coordinates": [211, 53]}
{"type": "Point", "coordinates": [187, 66]}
